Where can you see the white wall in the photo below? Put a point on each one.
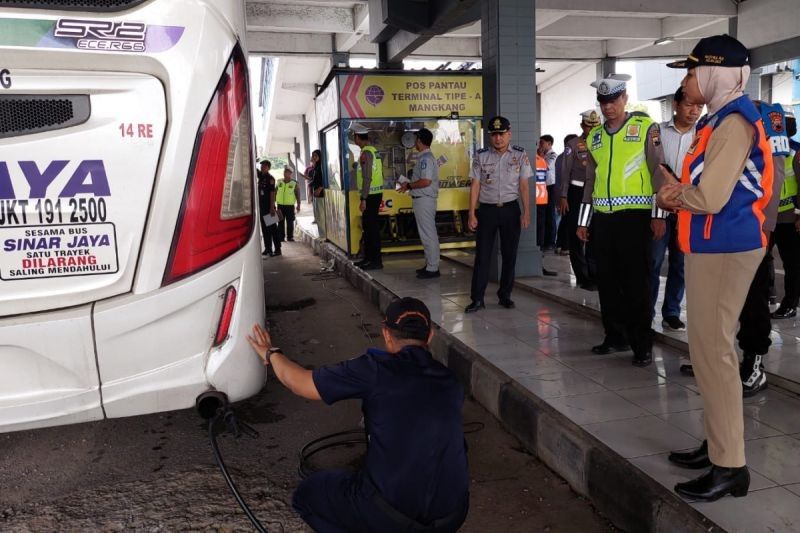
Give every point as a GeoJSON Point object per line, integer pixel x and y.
{"type": "Point", "coordinates": [782, 88]}
{"type": "Point", "coordinates": [562, 104]}
{"type": "Point", "coordinates": [654, 79]}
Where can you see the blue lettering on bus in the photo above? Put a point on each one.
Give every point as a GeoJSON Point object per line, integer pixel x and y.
{"type": "Point", "coordinates": [89, 178]}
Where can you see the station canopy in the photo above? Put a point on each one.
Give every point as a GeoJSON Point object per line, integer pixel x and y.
{"type": "Point", "coordinates": [310, 35]}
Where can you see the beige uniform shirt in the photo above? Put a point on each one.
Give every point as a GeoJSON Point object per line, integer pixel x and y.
{"type": "Point", "coordinates": [499, 174]}
{"type": "Point", "coordinates": [573, 164]}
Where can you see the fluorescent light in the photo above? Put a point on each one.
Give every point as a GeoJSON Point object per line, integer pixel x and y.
{"type": "Point", "coordinates": [664, 40]}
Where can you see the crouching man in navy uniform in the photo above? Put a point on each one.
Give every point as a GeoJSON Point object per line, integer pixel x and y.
{"type": "Point", "coordinates": [415, 476]}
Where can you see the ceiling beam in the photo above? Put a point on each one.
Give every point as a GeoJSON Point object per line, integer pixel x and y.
{"type": "Point", "coordinates": [298, 17]}
{"type": "Point", "coordinates": [450, 48]}
{"type": "Point", "coordinates": [589, 28]}
{"type": "Point", "coordinates": [546, 17]}
{"type": "Point", "coordinates": [276, 43]}
{"type": "Point", "coordinates": [346, 41]}
{"type": "Point", "coordinates": [565, 50]}
{"type": "Point", "coordinates": [687, 7]}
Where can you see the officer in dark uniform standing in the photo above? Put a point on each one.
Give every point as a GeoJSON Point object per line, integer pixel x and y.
{"type": "Point", "coordinates": [499, 181]}
{"type": "Point", "coordinates": [573, 170]}
{"type": "Point", "coordinates": [622, 178]}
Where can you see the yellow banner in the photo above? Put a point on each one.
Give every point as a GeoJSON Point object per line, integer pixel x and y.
{"type": "Point", "coordinates": [386, 96]}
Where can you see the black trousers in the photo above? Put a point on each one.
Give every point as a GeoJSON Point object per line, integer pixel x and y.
{"type": "Point", "coordinates": [754, 320]}
{"type": "Point", "coordinates": [371, 226]}
{"type": "Point", "coordinates": [786, 238]}
{"type": "Point", "coordinates": [622, 243]}
{"type": "Point", "coordinates": [580, 253]}
{"type": "Point", "coordinates": [286, 226]}
{"type": "Point", "coordinates": [272, 241]}
{"type": "Point", "coordinates": [491, 220]}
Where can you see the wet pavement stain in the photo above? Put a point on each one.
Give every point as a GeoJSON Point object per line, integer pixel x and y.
{"type": "Point", "coordinates": [296, 305]}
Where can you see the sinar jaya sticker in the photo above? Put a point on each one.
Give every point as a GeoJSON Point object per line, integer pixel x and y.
{"type": "Point", "coordinates": [59, 250]}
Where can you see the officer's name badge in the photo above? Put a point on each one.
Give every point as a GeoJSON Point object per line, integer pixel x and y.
{"type": "Point", "coordinates": [633, 132]}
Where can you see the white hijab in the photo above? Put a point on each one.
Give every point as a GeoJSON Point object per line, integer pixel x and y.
{"type": "Point", "coordinates": [720, 85]}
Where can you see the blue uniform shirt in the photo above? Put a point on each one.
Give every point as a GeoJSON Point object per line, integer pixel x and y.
{"type": "Point", "coordinates": [412, 408]}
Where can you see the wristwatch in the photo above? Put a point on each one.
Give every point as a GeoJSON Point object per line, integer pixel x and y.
{"type": "Point", "coordinates": [273, 350]}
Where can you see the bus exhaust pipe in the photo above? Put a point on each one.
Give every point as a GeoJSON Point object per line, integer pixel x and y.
{"type": "Point", "coordinates": [209, 403]}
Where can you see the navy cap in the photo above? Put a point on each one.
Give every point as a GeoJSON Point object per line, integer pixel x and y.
{"type": "Point", "coordinates": [425, 136]}
{"type": "Point", "coordinates": [498, 125]}
{"type": "Point", "coordinates": [716, 51]}
{"type": "Point", "coordinates": [409, 318]}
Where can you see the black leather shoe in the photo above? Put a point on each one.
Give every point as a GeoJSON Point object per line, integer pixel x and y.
{"type": "Point", "coordinates": [607, 348]}
{"type": "Point", "coordinates": [421, 270]}
{"type": "Point", "coordinates": [546, 272]}
{"type": "Point", "coordinates": [474, 306]}
{"type": "Point", "coordinates": [716, 483]}
{"type": "Point", "coordinates": [686, 370]}
{"type": "Point", "coordinates": [508, 303]}
{"type": "Point", "coordinates": [785, 312]}
{"type": "Point", "coordinates": [694, 459]}
{"type": "Point", "coordinates": [372, 266]}
{"type": "Point", "coordinates": [427, 274]}
{"type": "Point", "coordinates": [642, 358]}
{"type": "Point", "coordinates": [361, 263]}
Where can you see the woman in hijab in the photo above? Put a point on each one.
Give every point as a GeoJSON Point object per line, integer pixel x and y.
{"type": "Point", "coordinates": [726, 186]}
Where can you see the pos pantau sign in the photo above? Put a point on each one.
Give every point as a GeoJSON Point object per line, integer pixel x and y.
{"type": "Point", "coordinates": [394, 96]}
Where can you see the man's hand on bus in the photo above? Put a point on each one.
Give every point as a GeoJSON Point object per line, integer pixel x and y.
{"type": "Point", "coordinates": [261, 342]}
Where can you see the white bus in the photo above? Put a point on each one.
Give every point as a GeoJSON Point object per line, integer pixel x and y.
{"type": "Point", "coordinates": [130, 264]}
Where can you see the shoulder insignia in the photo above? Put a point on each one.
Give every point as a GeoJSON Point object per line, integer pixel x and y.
{"type": "Point", "coordinates": [482, 150]}
{"type": "Point", "coordinates": [517, 148]}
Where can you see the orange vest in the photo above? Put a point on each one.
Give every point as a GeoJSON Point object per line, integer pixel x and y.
{"type": "Point", "coordinates": [541, 180]}
{"type": "Point", "coordinates": [738, 227]}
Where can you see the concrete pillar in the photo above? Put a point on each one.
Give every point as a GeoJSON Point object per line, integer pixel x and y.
{"type": "Point", "coordinates": [606, 67]}
{"type": "Point", "coordinates": [508, 44]}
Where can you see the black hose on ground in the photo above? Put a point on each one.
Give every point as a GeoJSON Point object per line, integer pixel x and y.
{"type": "Point", "coordinates": [236, 428]}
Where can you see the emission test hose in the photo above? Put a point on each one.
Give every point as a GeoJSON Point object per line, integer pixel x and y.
{"type": "Point", "coordinates": [218, 456]}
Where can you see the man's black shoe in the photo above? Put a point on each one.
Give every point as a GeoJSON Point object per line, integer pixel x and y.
{"type": "Point", "coordinates": [607, 348]}
{"type": "Point", "coordinates": [423, 269]}
{"type": "Point", "coordinates": [546, 272]}
{"type": "Point", "coordinates": [474, 306]}
{"type": "Point", "coordinates": [694, 459]}
{"type": "Point", "coordinates": [508, 303]}
{"type": "Point", "coordinates": [427, 274]}
{"type": "Point", "coordinates": [372, 266]}
{"type": "Point", "coordinates": [686, 370]}
{"type": "Point", "coordinates": [273, 254]}
{"type": "Point", "coordinates": [642, 359]}
{"type": "Point", "coordinates": [290, 240]}
{"type": "Point", "coordinates": [267, 253]}
{"type": "Point", "coordinates": [785, 312]}
{"type": "Point", "coordinates": [361, 263]}
{"type": "Point", "coordinates": [674, 323]}
{"type": "Point", "coordinates": [716, 483]}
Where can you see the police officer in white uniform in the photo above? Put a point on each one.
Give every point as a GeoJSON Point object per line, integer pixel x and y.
{"type": "Point", "coordinates": [499, 182]}
{"type": "Point", "coordinates": [424, 190]}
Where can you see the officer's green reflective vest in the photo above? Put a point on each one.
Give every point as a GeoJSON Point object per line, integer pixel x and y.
{"type": "Point", "coordinates": [622, 178]}
{"type": "Point", "coordinates": [789, 188]}
{"type": "Point", "coordinates": [285, 194]}
{"type": "Point", "coordinates": [376, 183]}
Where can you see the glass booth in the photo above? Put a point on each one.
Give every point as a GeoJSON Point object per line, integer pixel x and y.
{"type": "Point", "coordinates": [392, 107]}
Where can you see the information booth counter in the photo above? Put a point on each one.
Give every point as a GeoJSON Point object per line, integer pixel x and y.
{"type": "Point", "coordinates": [392, 107]}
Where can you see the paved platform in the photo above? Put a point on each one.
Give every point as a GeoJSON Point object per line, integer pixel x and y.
{"type": "Point", "coordinates": [782, 363]}
{"type": "Point", "coordinates": [603, 424]}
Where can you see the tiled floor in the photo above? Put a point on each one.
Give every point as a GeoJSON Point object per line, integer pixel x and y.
{"type": "Point", "coordinates": [784, 355]}
{"type": "Point", "coordinates": [640, 413]}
